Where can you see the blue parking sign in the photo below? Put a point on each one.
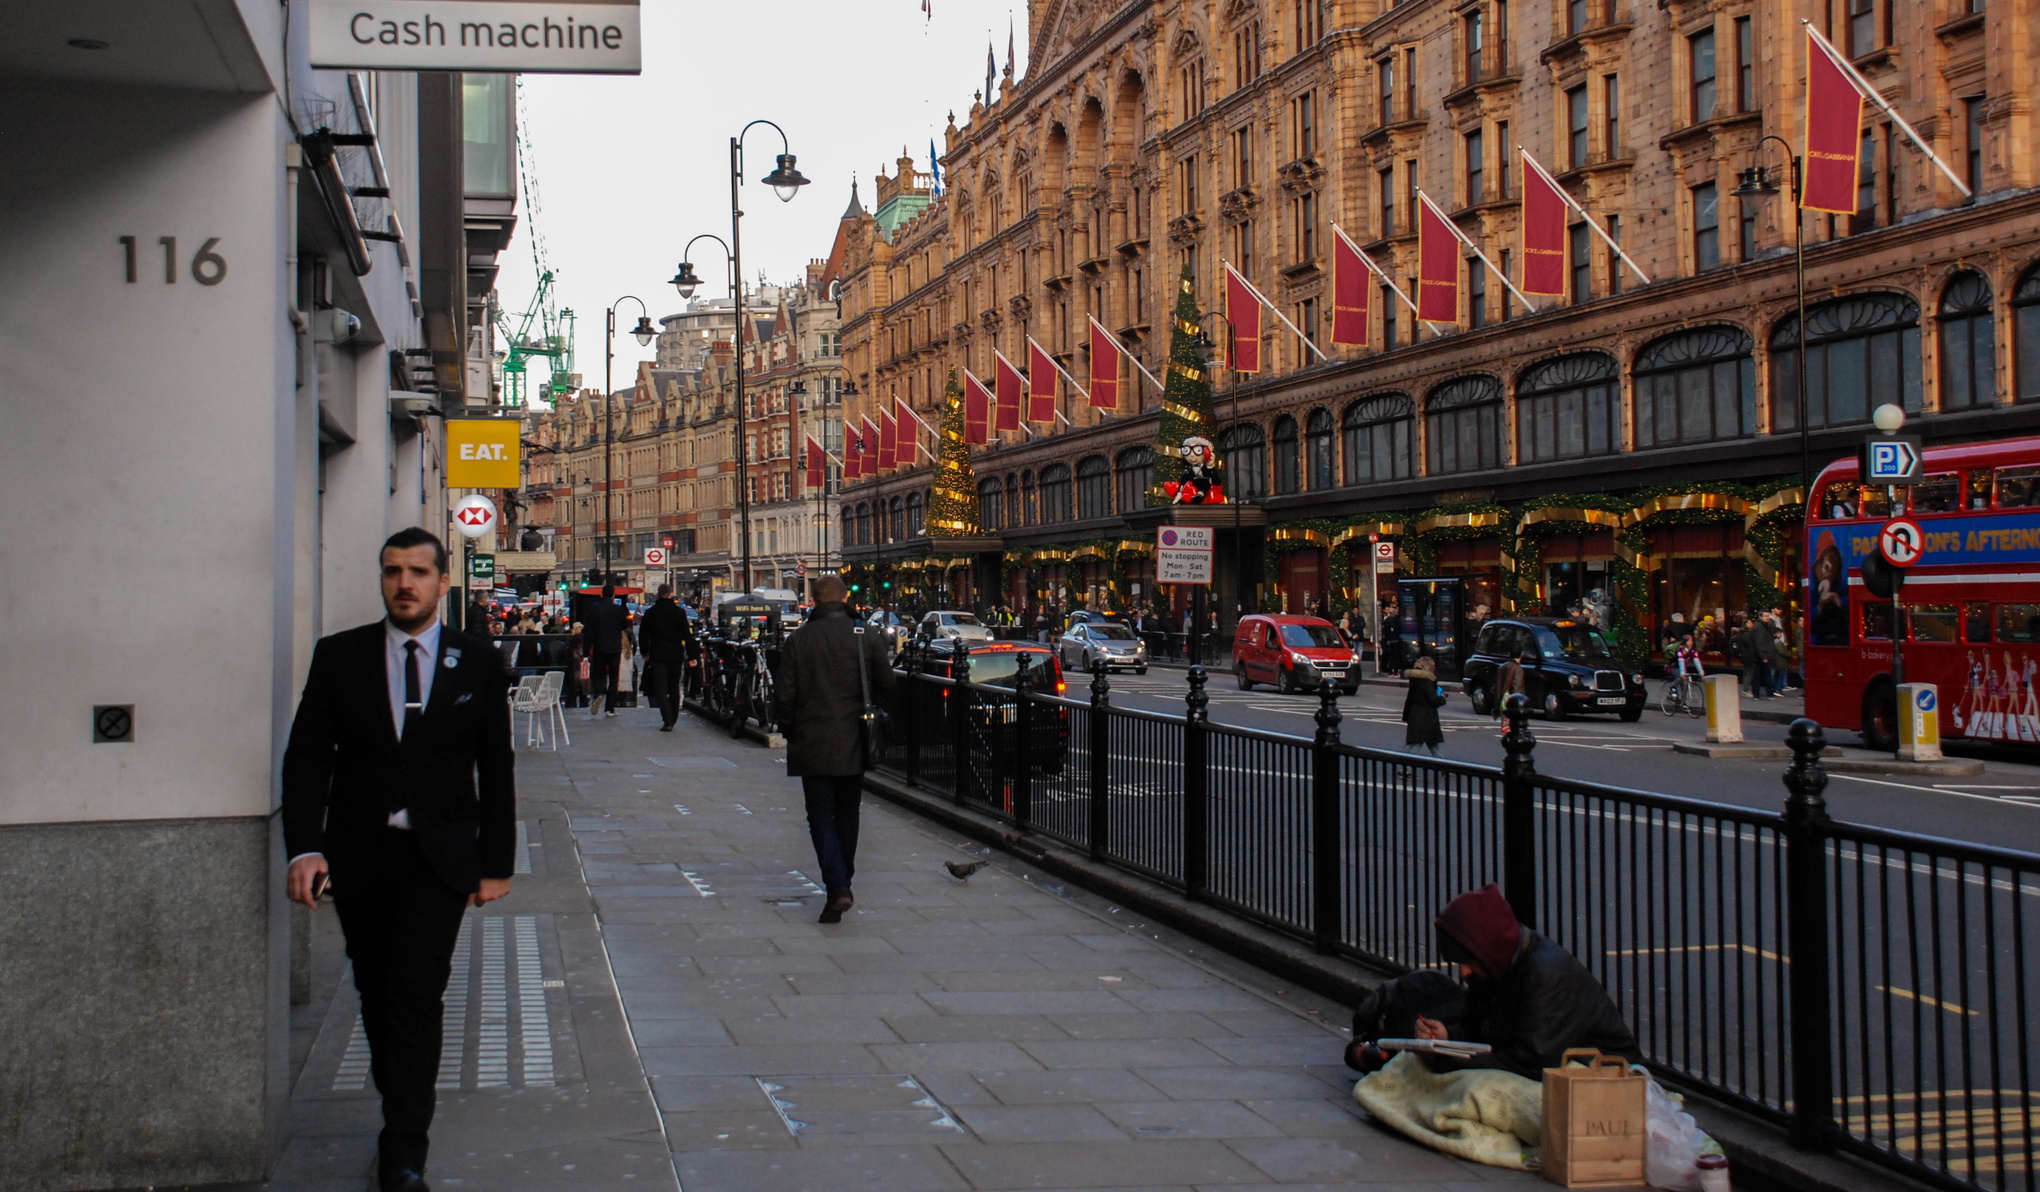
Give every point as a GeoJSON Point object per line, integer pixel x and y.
{"type": "Point", "coordinates": [1891, 459]}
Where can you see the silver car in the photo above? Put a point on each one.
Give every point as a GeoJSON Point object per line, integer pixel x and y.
{"type": "Point", "coordinates": [892, 628]}
{"type": "Point", "coordinates": [961, 625]}
{"type": "Point", "coordinates": [1117, 646]}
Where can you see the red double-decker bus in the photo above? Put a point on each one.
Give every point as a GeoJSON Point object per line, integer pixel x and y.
{"type": "Point", "coordinates": [1969, 613]}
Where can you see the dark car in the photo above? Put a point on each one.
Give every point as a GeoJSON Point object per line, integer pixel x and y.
{"type": "Point", "coordinates": [990, 667]}
{"type": "Point", "coordinates": [1574, 670]}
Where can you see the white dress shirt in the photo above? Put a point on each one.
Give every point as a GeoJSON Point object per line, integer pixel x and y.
{"type": "Point", "coordinates": [393, 672]}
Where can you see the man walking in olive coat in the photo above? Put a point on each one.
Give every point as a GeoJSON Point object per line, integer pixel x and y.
{"type": "Point", "coordinates": [819, 702]}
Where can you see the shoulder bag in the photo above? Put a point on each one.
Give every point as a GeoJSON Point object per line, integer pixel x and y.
{"type": "Point", "coordinates": [875, 723]}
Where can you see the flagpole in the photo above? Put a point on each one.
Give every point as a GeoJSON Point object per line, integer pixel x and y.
{"type": "Point", "coordinates": [1130, 357]}
{"type": "Point", "coordinates": [1567, 198]}
{"type": "Point", "coordinates": [1870, 93]}
{"type": "Point", "coordinates": [1273, 309]}
{"type": "Point", "coordinates": [1462, 238]}
{"type": "Point", "coordinates": [1381, 273]}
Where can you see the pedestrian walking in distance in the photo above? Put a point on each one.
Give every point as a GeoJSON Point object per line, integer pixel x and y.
{"type": "Point", "coordinates": [605, 649]}
{"type": "Point", "coordinates": [1420, 707]}
{"type": "Point", "coordinates": [399, 783]}
{"type": "Point", "coordinates": [819, 702]}
{"type": "Point", "coordinates": [662, 640]}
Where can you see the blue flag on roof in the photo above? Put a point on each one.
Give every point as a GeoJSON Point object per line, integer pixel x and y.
{"type": "Point", "coordinates": [934, 166]}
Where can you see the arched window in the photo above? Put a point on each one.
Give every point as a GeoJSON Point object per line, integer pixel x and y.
{"type": "Point", "coordinates": [1136, 476]}
{"type": "Point", "coordinates": [1695, 387]}
{"type": "Point", "coordinates": [1288, 469]}
{"type": "Point", "coordinates": [916, 515]}
{"type": "Point", "coordinates": [863, 524]}
{"type": "Point", "coordinates": [1568, 408]}
{"type": "Point", "coordinates": [1863, 352]}
{"type": "Point", "coordinates": [1378, 432]}
{"type": "Point", "coordinates": [1030, 509]}
{"type": "Point", "coordinates": [1968, 344]}
{"type": "Point", "coordinates": [2026, 333]}
{"type": "Point", "coordinates": [896, 523]}
{"type": "Point", "coordinates": [1244, 448]}
{"type": "Point", "coordinates": [849, 534]}
{"type": "Point", "coordinates": [1463, 425]}
{"type": "Point", "coordinates": [988, 504]}
{"type": "Point", "coordinates": [1317, 437]}
{"type": "Point", "coordinates": [1094, 488]}
{"type": "Point", "coordinates": [1012, 517]}
{"type": "Point", "coordinates": [1055, 494]}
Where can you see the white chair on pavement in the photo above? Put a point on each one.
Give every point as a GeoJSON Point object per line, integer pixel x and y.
{"type": "Point", "coordinates": [549, 692]}
{"type": "Point", "coordinates": [525, 698]}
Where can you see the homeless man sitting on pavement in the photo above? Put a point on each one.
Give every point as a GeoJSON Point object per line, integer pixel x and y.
{"type": "Point", "coordinates": [1526, 997]}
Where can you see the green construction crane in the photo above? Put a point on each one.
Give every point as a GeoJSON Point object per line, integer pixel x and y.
{"type": "Point", "coordinates": [541, 332]}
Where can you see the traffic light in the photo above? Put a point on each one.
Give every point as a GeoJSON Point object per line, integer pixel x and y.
{"type": "Point", "coordinates": [591, 577]}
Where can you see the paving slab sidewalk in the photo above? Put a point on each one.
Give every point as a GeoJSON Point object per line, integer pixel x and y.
{"type": "Point", "coordinates": [655, 1006]}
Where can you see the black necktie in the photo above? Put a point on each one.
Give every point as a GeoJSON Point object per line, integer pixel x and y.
{"type": "Point", "coordinates": [413, 706]}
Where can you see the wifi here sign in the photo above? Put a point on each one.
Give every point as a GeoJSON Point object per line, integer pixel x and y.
{"type": "Point", "coordinates": [483, 453]}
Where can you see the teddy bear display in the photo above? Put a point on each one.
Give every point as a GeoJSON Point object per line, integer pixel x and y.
{"type": "Point", "coordinates": [1200, 484]}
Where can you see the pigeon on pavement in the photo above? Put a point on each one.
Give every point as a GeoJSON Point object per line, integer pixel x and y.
{"type": "Point", "coordinates": [962, 872]}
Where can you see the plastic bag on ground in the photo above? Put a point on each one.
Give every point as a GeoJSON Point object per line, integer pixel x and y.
{"type": "Point", "coordinates": [1673, 1143]}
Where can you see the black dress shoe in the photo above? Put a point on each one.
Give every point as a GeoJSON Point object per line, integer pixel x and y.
{"type": "Point", "coordinates": [406, 1179]}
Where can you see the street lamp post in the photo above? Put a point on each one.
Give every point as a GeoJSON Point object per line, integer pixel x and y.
{"type": "Point", "coordinates": [644, 333]}
{"type": "Point", "coordinates": [1755, 182]}
{"type": "Point", "coordinates": [785, 182]}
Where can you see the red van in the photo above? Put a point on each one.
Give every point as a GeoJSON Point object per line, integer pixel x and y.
{"type": "Point", "coordinates": [1293, 653]}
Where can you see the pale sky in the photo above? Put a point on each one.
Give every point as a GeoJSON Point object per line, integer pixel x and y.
{"type": "Point", "coordinates": [631, 168]}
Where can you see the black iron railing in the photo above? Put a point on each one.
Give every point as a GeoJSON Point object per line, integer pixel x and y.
{"type": "Point", "coordinates": [1873, 991]}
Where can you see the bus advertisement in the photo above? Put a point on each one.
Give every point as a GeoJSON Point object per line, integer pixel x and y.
{"type": "Point", "coordinates": [1968, 615]}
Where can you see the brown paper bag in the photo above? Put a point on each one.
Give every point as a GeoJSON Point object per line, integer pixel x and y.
{"type": "Point", "coordinates": [1594, 1122]}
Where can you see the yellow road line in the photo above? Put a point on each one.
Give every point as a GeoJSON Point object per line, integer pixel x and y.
{"type": "Point", "coordinates": [1751, 949]}
{"type": "Point", "coordinates": [1924, 1000]}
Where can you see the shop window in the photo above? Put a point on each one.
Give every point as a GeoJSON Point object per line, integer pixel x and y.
{"type": "Point", "coordinates": [863, 524]}
{"type": "Point", "coordinates": [1567, 408]}
{"type": "Point", "coordinates": [1696, 386]}
{"type": "Point", "coordinates": [1968, 344]}
{"type": "Point", "coordinates": [1094, 488]}
{"type": "Point", "coordinates": [2026, 333]}
{"type": "Point", "coordinates": [1318, 450]}
{"type": "Point", "coordinates": [1055, 494]}
{"type": "Point", "coordinates": [1463, 425]}
{"type": "Point", "coordinates": [988, 504]}
{"type": "Point", "coordinates": [1863, 352]}
{"type": "Point", "coordinates": [1288, 469]}
{"type": "Point", "coordinates": [1377, 433]}
{"type": "Point", "coordinates": [1136, 474]}
{"type": "Point", "coordinates": [1030, 508]}
{"type": "Point", "coordinates": [1934, 622]}
{"type": "Point", "coordinates": [1244, 449]}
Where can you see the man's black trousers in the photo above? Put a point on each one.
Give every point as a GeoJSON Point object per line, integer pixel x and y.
{"type": "Point", "coordinates": [662, 684]}
{"type": "Point", "coordinates": [832, 825]}
{"type": "Point", "coordinates": [401, 922]}
{"type": "Point", "coordinates": [602, 679]}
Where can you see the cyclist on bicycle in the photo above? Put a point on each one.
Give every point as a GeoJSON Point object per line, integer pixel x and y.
{"type": "Point", "coordinates": [1686, 660]}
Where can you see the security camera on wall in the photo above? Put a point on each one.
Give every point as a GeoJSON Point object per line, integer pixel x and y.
{"type": "Point", "coordinates": [341, 327]}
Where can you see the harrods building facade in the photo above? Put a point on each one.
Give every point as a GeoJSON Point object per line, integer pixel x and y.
{"type": "Point", "coordinates": [1151, 136]}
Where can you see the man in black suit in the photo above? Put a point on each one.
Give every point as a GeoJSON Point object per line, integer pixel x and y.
{"type": "Point", "coordinates": [398, 782]}
{"type": "Point", "coordinates": [603, 630]}
{"type": "Point", "coordinates": [662, 638]}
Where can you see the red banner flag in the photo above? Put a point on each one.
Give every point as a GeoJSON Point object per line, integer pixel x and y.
{"type": "Point", "coordinates": [1105, 367]}
{"type": "Point", "coordinates": [1243, 324]}
{"type": "Point", "coordinates": [1009, 386]}
{"type": "Point", "coordinates": [1544, 211]}
{"type": "Point", "coordinates": [853, 452]}
{"type": "Point", "coordinates": [1834, 118]}
{"type": "Point", "coordinates": [888, 441]}
{"type": "Point", "coordinates": [871, 456]}
{"type": "Point", "coordinates": [1040, 383]}
{"type": "Point", "coordinates": [1437, 265]}
{"type": "Point", "coordinates": [817, 475]}
{"type": "Point", "coordinates": [909, 446]}
{"type": "Point", "coordinates": [1352, 283]}
{"type": "Point", "coordinates": [977, 411]}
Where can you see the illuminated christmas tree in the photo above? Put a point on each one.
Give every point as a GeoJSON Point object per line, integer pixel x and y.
{"type": "Point", "coordinates": [1186, 401]}
{"type": "Point", "coordinates": [952, 502]}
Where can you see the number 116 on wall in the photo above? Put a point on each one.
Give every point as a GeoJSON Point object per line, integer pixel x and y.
{"type": "Point", "coordinates": [207, 267]}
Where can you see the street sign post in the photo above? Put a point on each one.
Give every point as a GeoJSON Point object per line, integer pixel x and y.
{"type": "Point", "coordinates": [1183, 555]}
{"type": "Point", "coordinates": [1892, 459]}
{"type": "Point", "coordinates": [482, 567]}
{"type": "Point", "coordinates": [655, 557]}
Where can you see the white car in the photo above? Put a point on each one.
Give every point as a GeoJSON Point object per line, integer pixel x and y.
{"type": "Point", "coordinates": [1109, 642]}
{"type": "Point", "coordinates": [963, 626]}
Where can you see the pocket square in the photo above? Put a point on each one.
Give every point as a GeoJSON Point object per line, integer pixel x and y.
{"type": "Point", "coordinates": [465, 696]}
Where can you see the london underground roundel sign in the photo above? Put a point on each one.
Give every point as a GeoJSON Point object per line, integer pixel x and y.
{"type": "Point", "coordinates": [474, 516]}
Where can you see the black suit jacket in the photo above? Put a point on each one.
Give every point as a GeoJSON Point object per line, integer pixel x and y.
{"type": "Point", "coordinates": [344, 768]}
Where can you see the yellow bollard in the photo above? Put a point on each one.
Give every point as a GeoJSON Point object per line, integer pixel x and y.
{"type": "Point", "coordinates": [1724, 709]}
{"type": "Point", "coordinates": [1919, 723]}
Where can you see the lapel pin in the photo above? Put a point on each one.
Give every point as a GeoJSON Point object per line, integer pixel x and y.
{"type": "Point", "coordinates": [452, 658]}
